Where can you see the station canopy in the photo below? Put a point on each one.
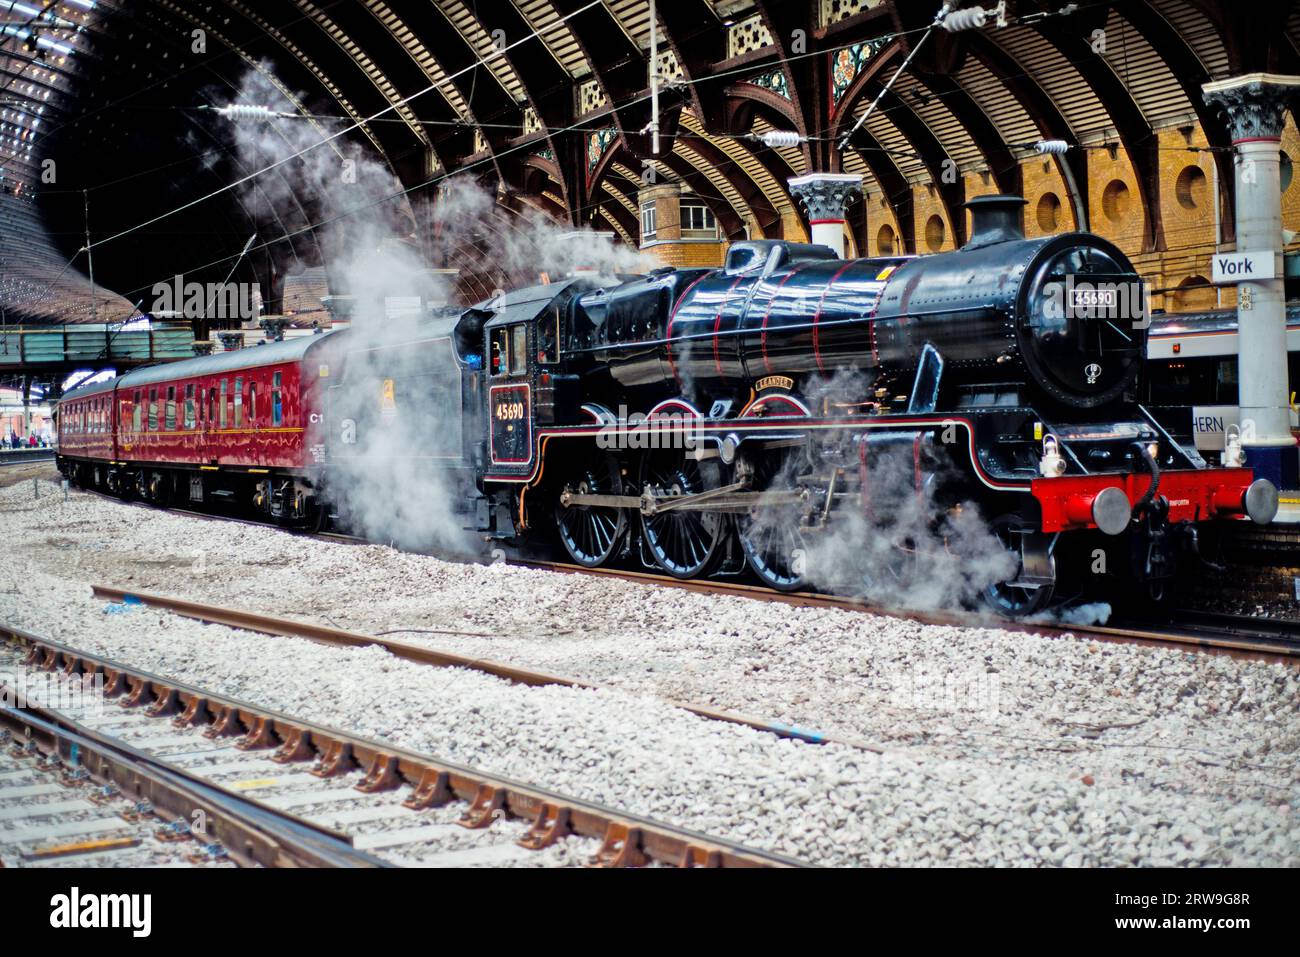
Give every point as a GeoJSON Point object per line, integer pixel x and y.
{"type": "Point", "coordinates": [107, 122]}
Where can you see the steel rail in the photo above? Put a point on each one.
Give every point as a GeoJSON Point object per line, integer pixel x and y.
{"type": "Point", "coordinates": [627, 839]}
{"type": "Point", "coordinates": [285, 627]}
{"type": "Point", "coordinates": [1278, 646]}
{"type": "Point", "coordinates": [252, 833]}
{"type": "Point", "coordinates": [1248, 644]}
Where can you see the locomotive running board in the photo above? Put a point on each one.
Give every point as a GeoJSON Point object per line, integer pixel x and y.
{"type": "Point", "coordinates": [726, 498]}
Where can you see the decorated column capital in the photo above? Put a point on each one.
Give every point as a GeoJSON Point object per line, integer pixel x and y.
{"type": "Point", "coordinates": [824, 196]}
{"type": "Point", "coordinates": [1255, 104]}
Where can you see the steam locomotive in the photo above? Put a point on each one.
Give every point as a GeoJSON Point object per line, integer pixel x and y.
{"type": "Point", "coordinates": [705, 420]}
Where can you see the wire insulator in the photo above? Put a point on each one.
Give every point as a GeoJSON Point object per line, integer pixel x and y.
{"type": "Point", "coordinates": [247, 112]}
{"type": "Point", "coordinates": [775, 138]}
{"type": "Point", "coordinates": [969, 19]}
{"type": "Point", "coordinates": [1052, 147]}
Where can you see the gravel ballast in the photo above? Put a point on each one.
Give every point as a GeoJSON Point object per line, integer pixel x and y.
{"type": "Point", "coordinates": [1001, 748]}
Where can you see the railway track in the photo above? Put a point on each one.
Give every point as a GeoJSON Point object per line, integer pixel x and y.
{"type": "Point", "coordinates": [1239, 636]}
{"type": "Point", "coordinates": [1208, 632]}
{"type": "Point", "coordinates": [74, 794]}
{"type": "Point", "coordinates": [347, 800]}
{"type": "Point", "coordinates": [286, 627]}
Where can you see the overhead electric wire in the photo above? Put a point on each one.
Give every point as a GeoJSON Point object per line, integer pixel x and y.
{"type": "Point", "coordinates": [585, 122]}
{"type": "Point", "coordinates": [536, 34]}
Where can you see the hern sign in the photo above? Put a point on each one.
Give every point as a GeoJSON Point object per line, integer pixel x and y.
{"type": "Point", "coordinates": [1243, 267]}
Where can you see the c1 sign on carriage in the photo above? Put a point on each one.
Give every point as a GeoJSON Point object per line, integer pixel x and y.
{"type": "Point", "coordinates": [1243, 267]}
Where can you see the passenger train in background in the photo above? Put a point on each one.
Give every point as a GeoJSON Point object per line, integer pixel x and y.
{"type": "Point", "coordinates": [707, 420]}
{"type": "Point", "coordinates": [1191, 379]}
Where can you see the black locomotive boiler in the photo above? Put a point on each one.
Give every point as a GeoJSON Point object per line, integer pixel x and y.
{"type": "Point", "coordinates": [691, 417]}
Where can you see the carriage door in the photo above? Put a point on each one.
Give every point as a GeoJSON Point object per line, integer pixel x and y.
{"type": "Point", "coordinates": [510, 431]}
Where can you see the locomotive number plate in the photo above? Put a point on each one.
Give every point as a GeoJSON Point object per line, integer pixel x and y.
{"type": "Point", "coordinates": [510, 428]}
{"type": "Point", "coordinates": [1094, 298]}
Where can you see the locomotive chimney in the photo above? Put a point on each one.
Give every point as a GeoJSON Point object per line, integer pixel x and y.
{"type": "Point", "coordinates": [995, 219]}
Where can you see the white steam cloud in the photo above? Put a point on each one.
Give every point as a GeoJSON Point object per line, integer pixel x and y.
{"type": "Point", "coordinates": [394, 411]}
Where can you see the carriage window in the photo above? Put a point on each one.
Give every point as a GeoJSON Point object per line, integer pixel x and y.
{"type": "Point", "coordinates": [212, 405]}
{"type": "Point", "coordinates": [171, 408]}
{"type": "Point", "coordinates": [276, 410]}
{"type": "Point", "coordinates": [189, 406]}
{"type": "Point", "coordinates": [136, 410]}
{"type": "Point", "coordinates": [548, 337]}
{"type": "Point", "coordinates": [500, 351]}
{"type": "Point", "coordinates": [252, 403]}
{"type": "Point", "coordinates": [221, 414]}
{"type": "Point", "coordinates": [518, 349]}
{"type": "Point", "coordinates": [239, 401]}
{"type": "Point", "coordinates": [153, 410]}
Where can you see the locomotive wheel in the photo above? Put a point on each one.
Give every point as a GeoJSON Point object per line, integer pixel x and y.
{"type": "Point", "coordinates": [684, 543]}
{"type": "Point", "coordinates": [1030, 588]}
{"type": "Point", "coordinates": [770, 536]}
{"type": "Point", "coordinates": [893, 571]}
{"type": "Point", "coordinates": [591, 533]}
{"type": "Point", "coordinates": [318, 516]}
{"type": "Point", "coordinates": [775, 553]}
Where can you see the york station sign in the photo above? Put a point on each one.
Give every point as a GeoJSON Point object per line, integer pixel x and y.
{"type": "Point", "coordinates": [1243, 267]}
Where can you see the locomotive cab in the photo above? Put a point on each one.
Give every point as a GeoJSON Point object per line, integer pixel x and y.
{"type": "Point", "coordinates": [527, 383]}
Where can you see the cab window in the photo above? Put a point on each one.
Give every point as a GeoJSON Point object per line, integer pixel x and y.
{"type": "Point", "coordinates": [499, 361]}
{"type": "Point", "coordinates": [276, 410]}
{"type": "Point", "coordinates": [171, 408]}
{"type": "Point", "coordinates": [548, 336]}
{"type": "Point", "coordinates": [239, 401]}
{"type": "Point", "coordinates": [190, 421]}
{"type": "Point", "coordinates": [518, 349]}
{"type": "Point", "coordinates": [153, 410]}
{"type": "Point", "coordinates": [221, 409]}
{"type": "Point", "coordinates": [252, 403]}
{"type": "Point", "coordinates": [136, 410]}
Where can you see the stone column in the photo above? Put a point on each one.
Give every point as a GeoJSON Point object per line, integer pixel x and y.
{"type": "Point", "coordinates": [1255, 105]}
{"type": "Point", "coordinates": [824, 197]}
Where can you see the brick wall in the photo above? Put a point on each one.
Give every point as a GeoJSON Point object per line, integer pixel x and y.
{"type": "Point", "coordinates": [1178, 274]}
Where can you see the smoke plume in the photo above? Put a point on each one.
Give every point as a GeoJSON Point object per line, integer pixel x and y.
{"type": "Point", "coordinates": [394, 417]}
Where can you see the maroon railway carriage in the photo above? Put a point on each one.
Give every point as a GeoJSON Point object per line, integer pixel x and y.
{"type": "Point", "coordinates": [235, 426]}
{"type": "Point", "coordinates": [86, 430]}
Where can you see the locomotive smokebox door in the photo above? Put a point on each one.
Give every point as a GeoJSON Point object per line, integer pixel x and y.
{"type": "Point", "coordinates": [510, 429]}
